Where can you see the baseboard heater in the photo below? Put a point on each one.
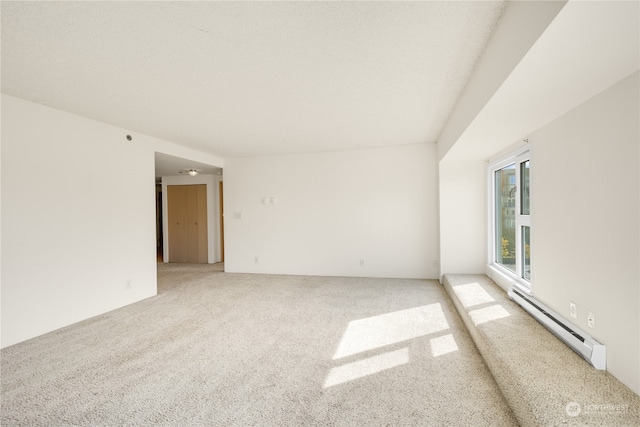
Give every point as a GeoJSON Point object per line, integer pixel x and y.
{"type": "Point", "coordinates": [587, 347]}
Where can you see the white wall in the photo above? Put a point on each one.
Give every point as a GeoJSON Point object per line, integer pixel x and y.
{"type": "Point", "coordinates": [585, 234]}
{"type": "Point", "coordinates": [213, 212]}
{"type": "Point", "coordinates": [463, 218]}
{"type": "Point", "coordinates": [78, 218]}
{"type": "Point", "coordinates": [334, 209]}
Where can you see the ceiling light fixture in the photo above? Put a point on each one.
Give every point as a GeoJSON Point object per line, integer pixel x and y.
{"type": "Point", "coordinates": [192, 172]}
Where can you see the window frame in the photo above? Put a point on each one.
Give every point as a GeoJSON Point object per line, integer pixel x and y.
{"type": "Point", "coordinates": [516, 158]}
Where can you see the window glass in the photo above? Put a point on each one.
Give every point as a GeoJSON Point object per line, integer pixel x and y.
{"type": "Point", "coordinates": [526, 252]}
{"type": "Point", "coordinates": [505, 219]}
{"type": "Point", "coordinates": [524, 194]}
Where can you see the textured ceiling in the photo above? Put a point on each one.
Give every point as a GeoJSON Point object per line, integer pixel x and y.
{"type": "Point", "coordinates": [250, 78]}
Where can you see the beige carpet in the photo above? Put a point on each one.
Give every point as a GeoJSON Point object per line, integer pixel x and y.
{"type": "Point", "coordinates": [254, 350]}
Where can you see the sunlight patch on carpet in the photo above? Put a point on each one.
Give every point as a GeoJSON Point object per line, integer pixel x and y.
{"type": "Point", "coordinates": [365, 367]}
{"type": "Point", "coordinates": [390, 328]}
{"type": "Point", "coordinates": [443, 345]}
{"type": "Point", "coordinates": [472, 294]}
{"type": "Point", "coordinates": [487, 314]}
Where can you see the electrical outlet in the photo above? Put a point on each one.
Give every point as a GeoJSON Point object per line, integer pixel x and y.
{"type": "Point", "coordinates": [361, 263]}
{"type": "Point", "coordinates": [128, 285]}
{"type": "Point", "coordinates": [573, 310]}
{"type": "Point", "coordinates": [591, 320]}
{"type": "Point", "coordinates": [256, 260]}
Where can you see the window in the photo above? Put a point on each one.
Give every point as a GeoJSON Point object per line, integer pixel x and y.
{"type": "Point", "coordinates": [510, 235]}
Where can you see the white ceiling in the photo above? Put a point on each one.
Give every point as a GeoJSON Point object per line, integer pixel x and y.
{"type": "Point", "coordinates": [250, 78]}
{"type": "Point", "coordinates": [167, 165]}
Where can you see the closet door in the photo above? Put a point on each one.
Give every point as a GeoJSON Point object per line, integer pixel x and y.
{"type": "Point", "coordinates": [177, 218]}
{"type": "Point", "coordinates": [187, 217]}
{"type": "Point", "coordinates": [192, 223]}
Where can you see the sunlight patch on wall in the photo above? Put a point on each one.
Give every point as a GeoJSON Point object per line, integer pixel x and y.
{"type": "Point", "coordinates": [443, 345]}
{"type": "Point", "coordinates": [386, 329]}
{"type": "Point", "coordinates": [472, 294]}
{"type": "Point", "coordinates": [365, 367]}
{"type": "Point", "coordinates": [487, 314]}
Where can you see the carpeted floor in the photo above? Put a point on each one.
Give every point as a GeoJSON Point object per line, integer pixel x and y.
{"type": "Point", "coordinates": [256, 350]}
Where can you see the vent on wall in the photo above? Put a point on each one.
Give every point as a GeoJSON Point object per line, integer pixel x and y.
{"type": "Point", "coordinates": [587, 347]}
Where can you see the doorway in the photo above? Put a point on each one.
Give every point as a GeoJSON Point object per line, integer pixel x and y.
{"type": "Point", "coordinates": [159, 234]}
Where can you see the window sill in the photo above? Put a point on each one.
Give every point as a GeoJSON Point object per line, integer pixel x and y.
{"type": "Point", "coordinates": [506, 280]}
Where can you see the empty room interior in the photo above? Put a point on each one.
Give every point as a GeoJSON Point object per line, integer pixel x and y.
{"type": "Point", "coordinates": [320, 213]}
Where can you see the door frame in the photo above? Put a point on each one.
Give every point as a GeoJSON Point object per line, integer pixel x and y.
{"type": "Point", "coordinates": [213, 218]}
{"type": "Point", "coordinates": [221, 211]}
